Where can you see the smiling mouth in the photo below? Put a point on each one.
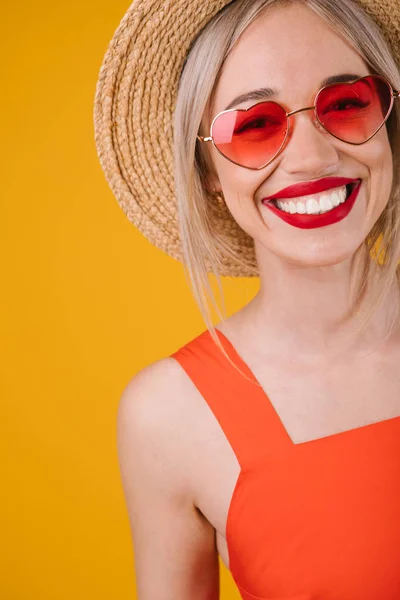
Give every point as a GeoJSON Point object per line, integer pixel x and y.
{"type": "Point", "coordinates": [316, 204]}
{"type": "Point", "coordinates": [316, 210]}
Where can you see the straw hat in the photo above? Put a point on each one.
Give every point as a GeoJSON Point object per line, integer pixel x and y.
{"type": "Point", "coordinates": [134, 103]}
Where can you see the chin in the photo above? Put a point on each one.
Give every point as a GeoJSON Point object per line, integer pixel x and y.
{"type": "Point", "coordinates": [317, 256]}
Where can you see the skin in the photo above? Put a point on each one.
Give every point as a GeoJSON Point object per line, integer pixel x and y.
{"type": "Point", "coordinates": [310, 269]}
{"type": "Point", "coordinates": [177, 466]}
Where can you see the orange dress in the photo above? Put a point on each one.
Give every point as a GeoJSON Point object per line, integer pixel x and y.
{"type": "Point", "coordinates": [318, 520]}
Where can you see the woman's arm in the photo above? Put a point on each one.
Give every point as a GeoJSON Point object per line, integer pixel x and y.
{"type": "Point", "coordinates": [174, 545]}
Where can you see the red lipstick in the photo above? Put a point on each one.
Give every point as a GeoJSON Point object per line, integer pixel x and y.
{"type": "Point", "coordinates": [311, 187]}
{"type": "Point", "coordinates": [306, 221]}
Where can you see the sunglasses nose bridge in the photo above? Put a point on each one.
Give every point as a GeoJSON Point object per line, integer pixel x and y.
{"type": "Point", "coordinates": [315, 119]}
{"type": "Point", "coordinates": [299, 110]}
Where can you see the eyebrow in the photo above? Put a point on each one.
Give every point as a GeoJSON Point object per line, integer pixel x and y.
{"type": "Point", "coordinates": [265, 93]}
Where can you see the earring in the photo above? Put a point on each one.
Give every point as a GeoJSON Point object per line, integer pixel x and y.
{"type": "Point", "coordinates": [218, 198]}
{"type": "Point", "coordinates": [218, 205]}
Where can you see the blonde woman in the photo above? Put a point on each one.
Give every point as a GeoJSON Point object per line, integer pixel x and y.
{"type": "Point", "coordinates": [269, 131]}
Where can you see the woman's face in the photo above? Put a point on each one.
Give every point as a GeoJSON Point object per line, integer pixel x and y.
{"type": "Point", "coordinates": [291, 50]}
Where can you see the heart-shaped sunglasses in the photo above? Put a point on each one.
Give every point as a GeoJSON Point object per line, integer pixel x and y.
{"type": "Point", "coordinates": [352, 112]}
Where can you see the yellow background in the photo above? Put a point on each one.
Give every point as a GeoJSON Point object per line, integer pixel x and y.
{"type": "Point", "coordinates": [86, 302]}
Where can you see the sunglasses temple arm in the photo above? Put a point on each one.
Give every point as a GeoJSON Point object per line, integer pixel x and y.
{"type": "Point", "coordinates": [204, 139]}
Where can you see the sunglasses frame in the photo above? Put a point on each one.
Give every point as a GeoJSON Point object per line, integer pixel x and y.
{"type": "Point", "coordinates": [393, 93]}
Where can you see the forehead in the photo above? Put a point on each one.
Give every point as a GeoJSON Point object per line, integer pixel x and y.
{"type": "Point", "coordinates": [288, 48]}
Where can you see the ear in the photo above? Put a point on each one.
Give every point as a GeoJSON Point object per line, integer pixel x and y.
{"type": "Point", "coordinates": [209, 176]}
{"type": "Point", "coordinates": [212, 184]}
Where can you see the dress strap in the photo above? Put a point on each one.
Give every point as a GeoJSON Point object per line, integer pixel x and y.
{"type": "Point", "coordinates": [238, 402]}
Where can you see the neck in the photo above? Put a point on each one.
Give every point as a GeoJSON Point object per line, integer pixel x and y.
{"type": "Point", "coordinates": [311, 310]}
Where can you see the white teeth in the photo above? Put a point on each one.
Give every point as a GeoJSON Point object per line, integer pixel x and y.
{"type": "Point", "coordinates": [314, 204]}
{"type": "Point", "coordinates": [335, 199]}
{"type": "Point", "coordinates": [283, 205]}
{"type": "Point", "coordinates": [312, 207]}
{"type": "Point", "coordinates": [325, 202]}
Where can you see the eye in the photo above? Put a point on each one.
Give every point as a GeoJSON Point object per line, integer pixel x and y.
{"type": "Point", "coordinates": [259, 123]}
{"type": "Point", "coordinates": [346, 104]}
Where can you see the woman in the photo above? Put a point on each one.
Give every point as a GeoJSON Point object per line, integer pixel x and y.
{"type": "Point", "coordinates": [272, 440]}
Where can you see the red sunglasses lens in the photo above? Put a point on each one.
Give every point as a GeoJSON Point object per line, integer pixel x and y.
{"type": "Point", "coordinates": [353, 112]}
{"type": "Point", "coordinates": [251, 138]}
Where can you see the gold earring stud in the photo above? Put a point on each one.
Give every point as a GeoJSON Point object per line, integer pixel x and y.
{"type": "Point", "coordinates": [218, 202]}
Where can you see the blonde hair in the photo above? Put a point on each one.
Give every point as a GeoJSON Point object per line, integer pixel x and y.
{"type": "Point", "coordinates": [204, 221]}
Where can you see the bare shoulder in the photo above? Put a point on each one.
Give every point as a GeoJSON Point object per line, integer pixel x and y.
{"type": "Point", "coordinates": [162, 382]}
{"type": "Point", "coordinates": [174, 545]}
{"type": "Point", "coordinates": [157, 406]}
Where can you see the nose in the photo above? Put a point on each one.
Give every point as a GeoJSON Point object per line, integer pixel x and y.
{"type": "Point", "coordinates": [310, 150]}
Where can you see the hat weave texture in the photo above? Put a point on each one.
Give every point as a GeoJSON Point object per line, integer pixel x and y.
{"type": "Point", "coordinates": [133, 113]}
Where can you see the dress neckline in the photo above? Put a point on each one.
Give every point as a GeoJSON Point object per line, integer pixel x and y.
{"type": "Point", "coordinates": [340, 435]}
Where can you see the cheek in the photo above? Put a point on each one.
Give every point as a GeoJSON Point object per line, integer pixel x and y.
{"type": "Point", "coordinates": [238, 184]}
{"type": "Point", "coordinates": [379, 160]}
{"type": "Point", "coordinates": [239, 187]}
{"type": "Point", "coordinates": [380, 153]}
{"type": "Point", "coordinates": [376, 161]}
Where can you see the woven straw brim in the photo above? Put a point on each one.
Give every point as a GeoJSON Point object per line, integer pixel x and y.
{"type": "Point", "coordinates": [133, 114]}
